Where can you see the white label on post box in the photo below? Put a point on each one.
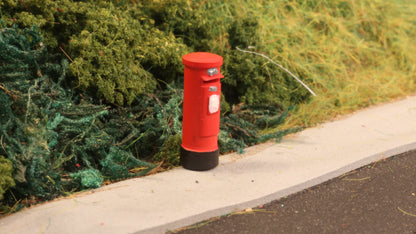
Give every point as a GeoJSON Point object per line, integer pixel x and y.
{"type": "Point", "coordinates": [214, 103]}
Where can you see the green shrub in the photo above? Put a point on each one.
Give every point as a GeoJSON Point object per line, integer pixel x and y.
{"type": "Point", "coordinates": [121, 56]}
{"type": "Point", "coordinates": [189, 20]}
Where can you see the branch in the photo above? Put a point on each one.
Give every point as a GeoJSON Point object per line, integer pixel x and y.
{"type": "Point", "coordinates": [10, 93]}
{"type": "Point", "coordinates": [63, 51]}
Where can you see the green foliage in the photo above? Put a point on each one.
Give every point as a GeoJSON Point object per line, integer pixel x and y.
{"type": "Point", "coordinates": [171, 155]}
{"type": "Point", "coordinates": [89, 178]}
{"type": "Point", "coordinates": [353, 53]}
{"type": "Point", "coordinates": [117, 53]}
{"type": "Point", "coordinates": [6, 180]}
{"type": "Point", "coordinates": [24, 74]}
{"type": "Point", "coordinates": [249, 80]}
{"type": "Point", "coordinates": [117, 164]}
{"type": "Point", "coordinates": [327, 44]}
{"type": "Point", "coordinates": [115, 49]}
{"type": "Point", "coordinates": [187, 20]}
{"type": "Point", "coordinates": [155, 121]}
{"type": "Point", "coordinates": [246, 125]}
{"type": "Point", "coordinates": [120, 49]}
{"type": "Point", "coordinates": [244, 32]}
{"type": "Point", "coordinates": [56, 140]}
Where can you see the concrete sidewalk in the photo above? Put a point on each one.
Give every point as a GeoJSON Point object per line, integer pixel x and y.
{"type": "Point", "coordinates": [176, 198]}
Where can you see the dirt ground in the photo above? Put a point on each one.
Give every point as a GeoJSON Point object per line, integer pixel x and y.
{"type": "Point", "coordinates": [377, 198]}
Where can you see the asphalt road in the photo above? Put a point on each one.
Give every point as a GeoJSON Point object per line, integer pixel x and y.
{"type": "Point", "coordinates": [377, 198]}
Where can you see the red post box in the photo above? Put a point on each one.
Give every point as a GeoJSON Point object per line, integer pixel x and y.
{"type": "Point", "coordinates": [201, 111]}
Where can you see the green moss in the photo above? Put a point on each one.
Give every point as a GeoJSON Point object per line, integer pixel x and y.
{"type": "Point", "coordinates": [6, 179]}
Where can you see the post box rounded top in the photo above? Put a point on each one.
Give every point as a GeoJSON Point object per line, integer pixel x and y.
{"type": "Point", "coordinates": [202, 60]}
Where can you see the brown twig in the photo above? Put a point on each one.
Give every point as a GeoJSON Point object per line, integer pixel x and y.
{"type": "Point", "coordinates": [24, 4]}
{"type": "Point", "coordinates": [10, 93]}
{"type": "Point", "coordinates": [63, 51]}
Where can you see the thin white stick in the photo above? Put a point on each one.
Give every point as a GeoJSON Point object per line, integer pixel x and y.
{"type": "Point", "coordinates": [264, 56]}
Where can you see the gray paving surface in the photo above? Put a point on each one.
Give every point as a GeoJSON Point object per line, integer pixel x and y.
{"type": "Point", "coordinates": [176, 198]}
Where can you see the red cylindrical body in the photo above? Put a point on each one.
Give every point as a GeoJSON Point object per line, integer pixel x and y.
{"type": "Point", "coordinates": [201, 104]}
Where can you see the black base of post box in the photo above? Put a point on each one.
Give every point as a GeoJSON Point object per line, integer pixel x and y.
{"type": "Point", "coordinates": [199, 161]}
